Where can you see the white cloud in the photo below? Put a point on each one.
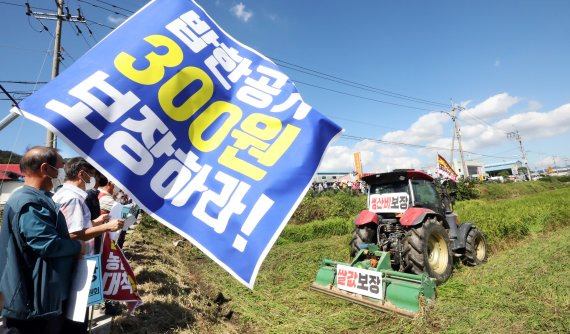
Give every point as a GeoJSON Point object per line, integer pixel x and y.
{"type": "Point", "coordinates": [434, 130]}
{"type": "Point", "coordinates": [241, 13]}
{"type": "Point", "coordinates": [497, 62]}
{"type": "Point", "coordinates": [491, 107]}
{"type": "Point", "coordinates": [547, 162]}
{"type": "Point", "coordinates": [116, 20]}
{"type": "Point", "coordinates": [534, 124]}
{"type": "Point", "coordinates": [534, 105]}
{"type": "Point", "coordinates": [427, 128]}
{"type": "Point", "coordinates": [338, 158]}
{"type": "Point", "coordinates": [375, 157]}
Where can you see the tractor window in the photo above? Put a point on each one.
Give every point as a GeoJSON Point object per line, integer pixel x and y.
{"type": "Point", "coordinates": [399, 187]}
{"type": "Point", "coordinates": [425, 195]}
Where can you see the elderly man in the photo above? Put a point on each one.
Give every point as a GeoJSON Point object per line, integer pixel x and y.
{"type": "Point", "coordinates": [36, 252]}
{"type": "Point", "coordinates": [80, 178]}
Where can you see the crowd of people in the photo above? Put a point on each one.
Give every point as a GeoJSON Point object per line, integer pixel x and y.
{"type": "Point", "coordinates": [43, 234]}
{"type": "Point", "coordinates": [351, 186]}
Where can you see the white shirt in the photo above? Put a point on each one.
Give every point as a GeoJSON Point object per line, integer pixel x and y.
{"type": "Point", "coordinates": [72, 204]}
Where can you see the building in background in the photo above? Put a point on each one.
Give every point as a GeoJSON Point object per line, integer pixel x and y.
{"type": "Point", "coordinates": [511, 167]}
{"type": "Point", "coordinates": [10, 179]}
{"type": "Point", "coordinates": [332, 176]}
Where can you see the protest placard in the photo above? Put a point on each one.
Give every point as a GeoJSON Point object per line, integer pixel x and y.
{"type": "Point", "coordinates": [204, 133]}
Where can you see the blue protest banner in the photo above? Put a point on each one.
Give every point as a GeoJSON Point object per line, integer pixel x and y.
{"type": "Point", "coordinates": [96, 289]}
{"type": "Point", "coordinates": [203, 132]}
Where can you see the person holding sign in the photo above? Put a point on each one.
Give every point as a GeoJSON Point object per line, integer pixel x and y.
{"type": "Point", "coordinates": [79, 178]}
{"type": "Point", "coordinates": [36, 252]}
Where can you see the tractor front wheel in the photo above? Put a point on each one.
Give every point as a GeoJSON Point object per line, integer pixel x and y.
{"type": "Point", "coordinates": [475, 248]}
{"type": "Point", "coordinates": [362, 234]}
{"type": "Point", "coordinates": [427, 249]}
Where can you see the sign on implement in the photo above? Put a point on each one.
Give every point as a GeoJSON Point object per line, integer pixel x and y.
{"type": "Point", "coordinates": [361, 281]}
{"type": "Point", "coordinates": [393, 202]}
{"type": "Point", "coordinates": [206, 134]}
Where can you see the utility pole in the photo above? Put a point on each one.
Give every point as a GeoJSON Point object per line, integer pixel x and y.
{"type": "Point", "coordinates": [516, 136]}
{"type": "Point", "coordinates": [59, 17]}
{"type": "Point", "coordinates": [457, 133]}
{"type": "Point", "coordinates": [50, 137]}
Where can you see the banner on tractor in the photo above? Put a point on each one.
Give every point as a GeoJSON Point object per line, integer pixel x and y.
{"type": "Point", "coordinates": [392, 202]}
{"type": "Point", "coordinates": [118, 281]}
{"type": "Point", "coordinates": [445, 170]}
{"type": "Point", "coordinates": [361, 281]}
{"type": "Point", "coordinates": [204, 133]}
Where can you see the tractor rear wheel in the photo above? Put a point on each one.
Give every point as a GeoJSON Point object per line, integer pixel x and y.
{"type": "Point", "coordinates": [427, 249]}
{"type": "Point", "coordinates": [475, 248]}
{"type": "Point", "coordinates": [362, 234]}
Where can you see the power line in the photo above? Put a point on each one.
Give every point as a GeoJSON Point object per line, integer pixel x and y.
{"type": "Point", "coordinates": [103, 8]}
{"type": "Point", "coordinates": [480, 120]}
{"type": "Point", "coordinates": [364, 123]}
{"type": "Point", "coordinates": [20, 5]}
{"type": "Point", "coordinates": [388, 142]}
{"type": "Point", "coordinates": [115, 6]}
{"type": "Point", "coordinates": [349, 84]}
{"type": "Point", "coordinates": [362, 97]}
{"type": "Point", "coordinates": [100, 24]}
{"type": "Point", "coordinates": [22, 82]}
{"type": "Point", "coordinates": [356, 84]}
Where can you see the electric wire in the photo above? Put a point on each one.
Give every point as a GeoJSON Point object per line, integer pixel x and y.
{"type": "Point", "coordinates": [20, 126]}
{"type": "Point", "coordinates": [363, 123]}
{"type": "Point", "coordinates": [100, 24]}
{"type": "Point", "coordinates": [115, 6]}
{"type": "Point", "coordinates": [381, 141]}
{"type": "Point", "coordinates": [362, 97]}
{"type": "Point", "coordinates": [315, 73]}
{"type": "Point", "coordinates": [353, 83]}
{"type": "Point", "coordinates": [20, 5]}
{"type": "Point", "coordinates": [22, 82]}
{"type": "Point", "coordinates": [358, 86]}
{"type": "Point", "coordinates": [103, 8]}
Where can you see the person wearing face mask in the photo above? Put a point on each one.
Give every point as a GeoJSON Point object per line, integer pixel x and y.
{"type": "Point", "coordinates": [107, 195]}
{"type": "Point", "coordinates": [36, 252]}
{"type": "Point", "coordinates": [80, 178]}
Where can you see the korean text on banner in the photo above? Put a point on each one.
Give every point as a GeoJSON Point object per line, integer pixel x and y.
{"type": "Point", "coordinates": [119, 282]}
{"type": "Point", "coordinates": [203, 132]}
{"type": "Point", "coordinates": [361, 281]}
{"type": "Point", "coordinates": [445, 170]}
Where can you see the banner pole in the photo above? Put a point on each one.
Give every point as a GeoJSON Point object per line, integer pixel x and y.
{"type": "Point", "coordinates": [91, 319]}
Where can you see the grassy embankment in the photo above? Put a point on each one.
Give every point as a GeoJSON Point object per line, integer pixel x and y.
{"type": "Point", "coordinates": [523, 288]}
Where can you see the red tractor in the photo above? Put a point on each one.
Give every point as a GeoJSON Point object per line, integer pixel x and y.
{"type": "Point", "coordinates": [408, 218]}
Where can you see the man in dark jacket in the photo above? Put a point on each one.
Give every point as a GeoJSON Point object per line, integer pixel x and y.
{"type": "Point", "coordinates": [36, 253]}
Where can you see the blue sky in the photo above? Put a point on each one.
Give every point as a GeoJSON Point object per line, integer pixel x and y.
{"type": "Point", "coordinates": [506, 62]}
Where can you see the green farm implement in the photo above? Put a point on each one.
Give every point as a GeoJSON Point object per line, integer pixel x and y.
{"type": "Point", "coordinates": [370, 281]}
{"type": "Point", "coordinates": [403, 245]}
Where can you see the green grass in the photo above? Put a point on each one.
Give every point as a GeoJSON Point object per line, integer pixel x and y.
{"type": "Point", "coordinates": [524, 288]}
{"type": "Point", "coordinates": [518, 288]}
{"type": "Point", "coordinates": [492, 191]}
{"type": "Point", "coordinates": [316, 229]}
{"type": "Point", "coordinates": [515, 218]}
